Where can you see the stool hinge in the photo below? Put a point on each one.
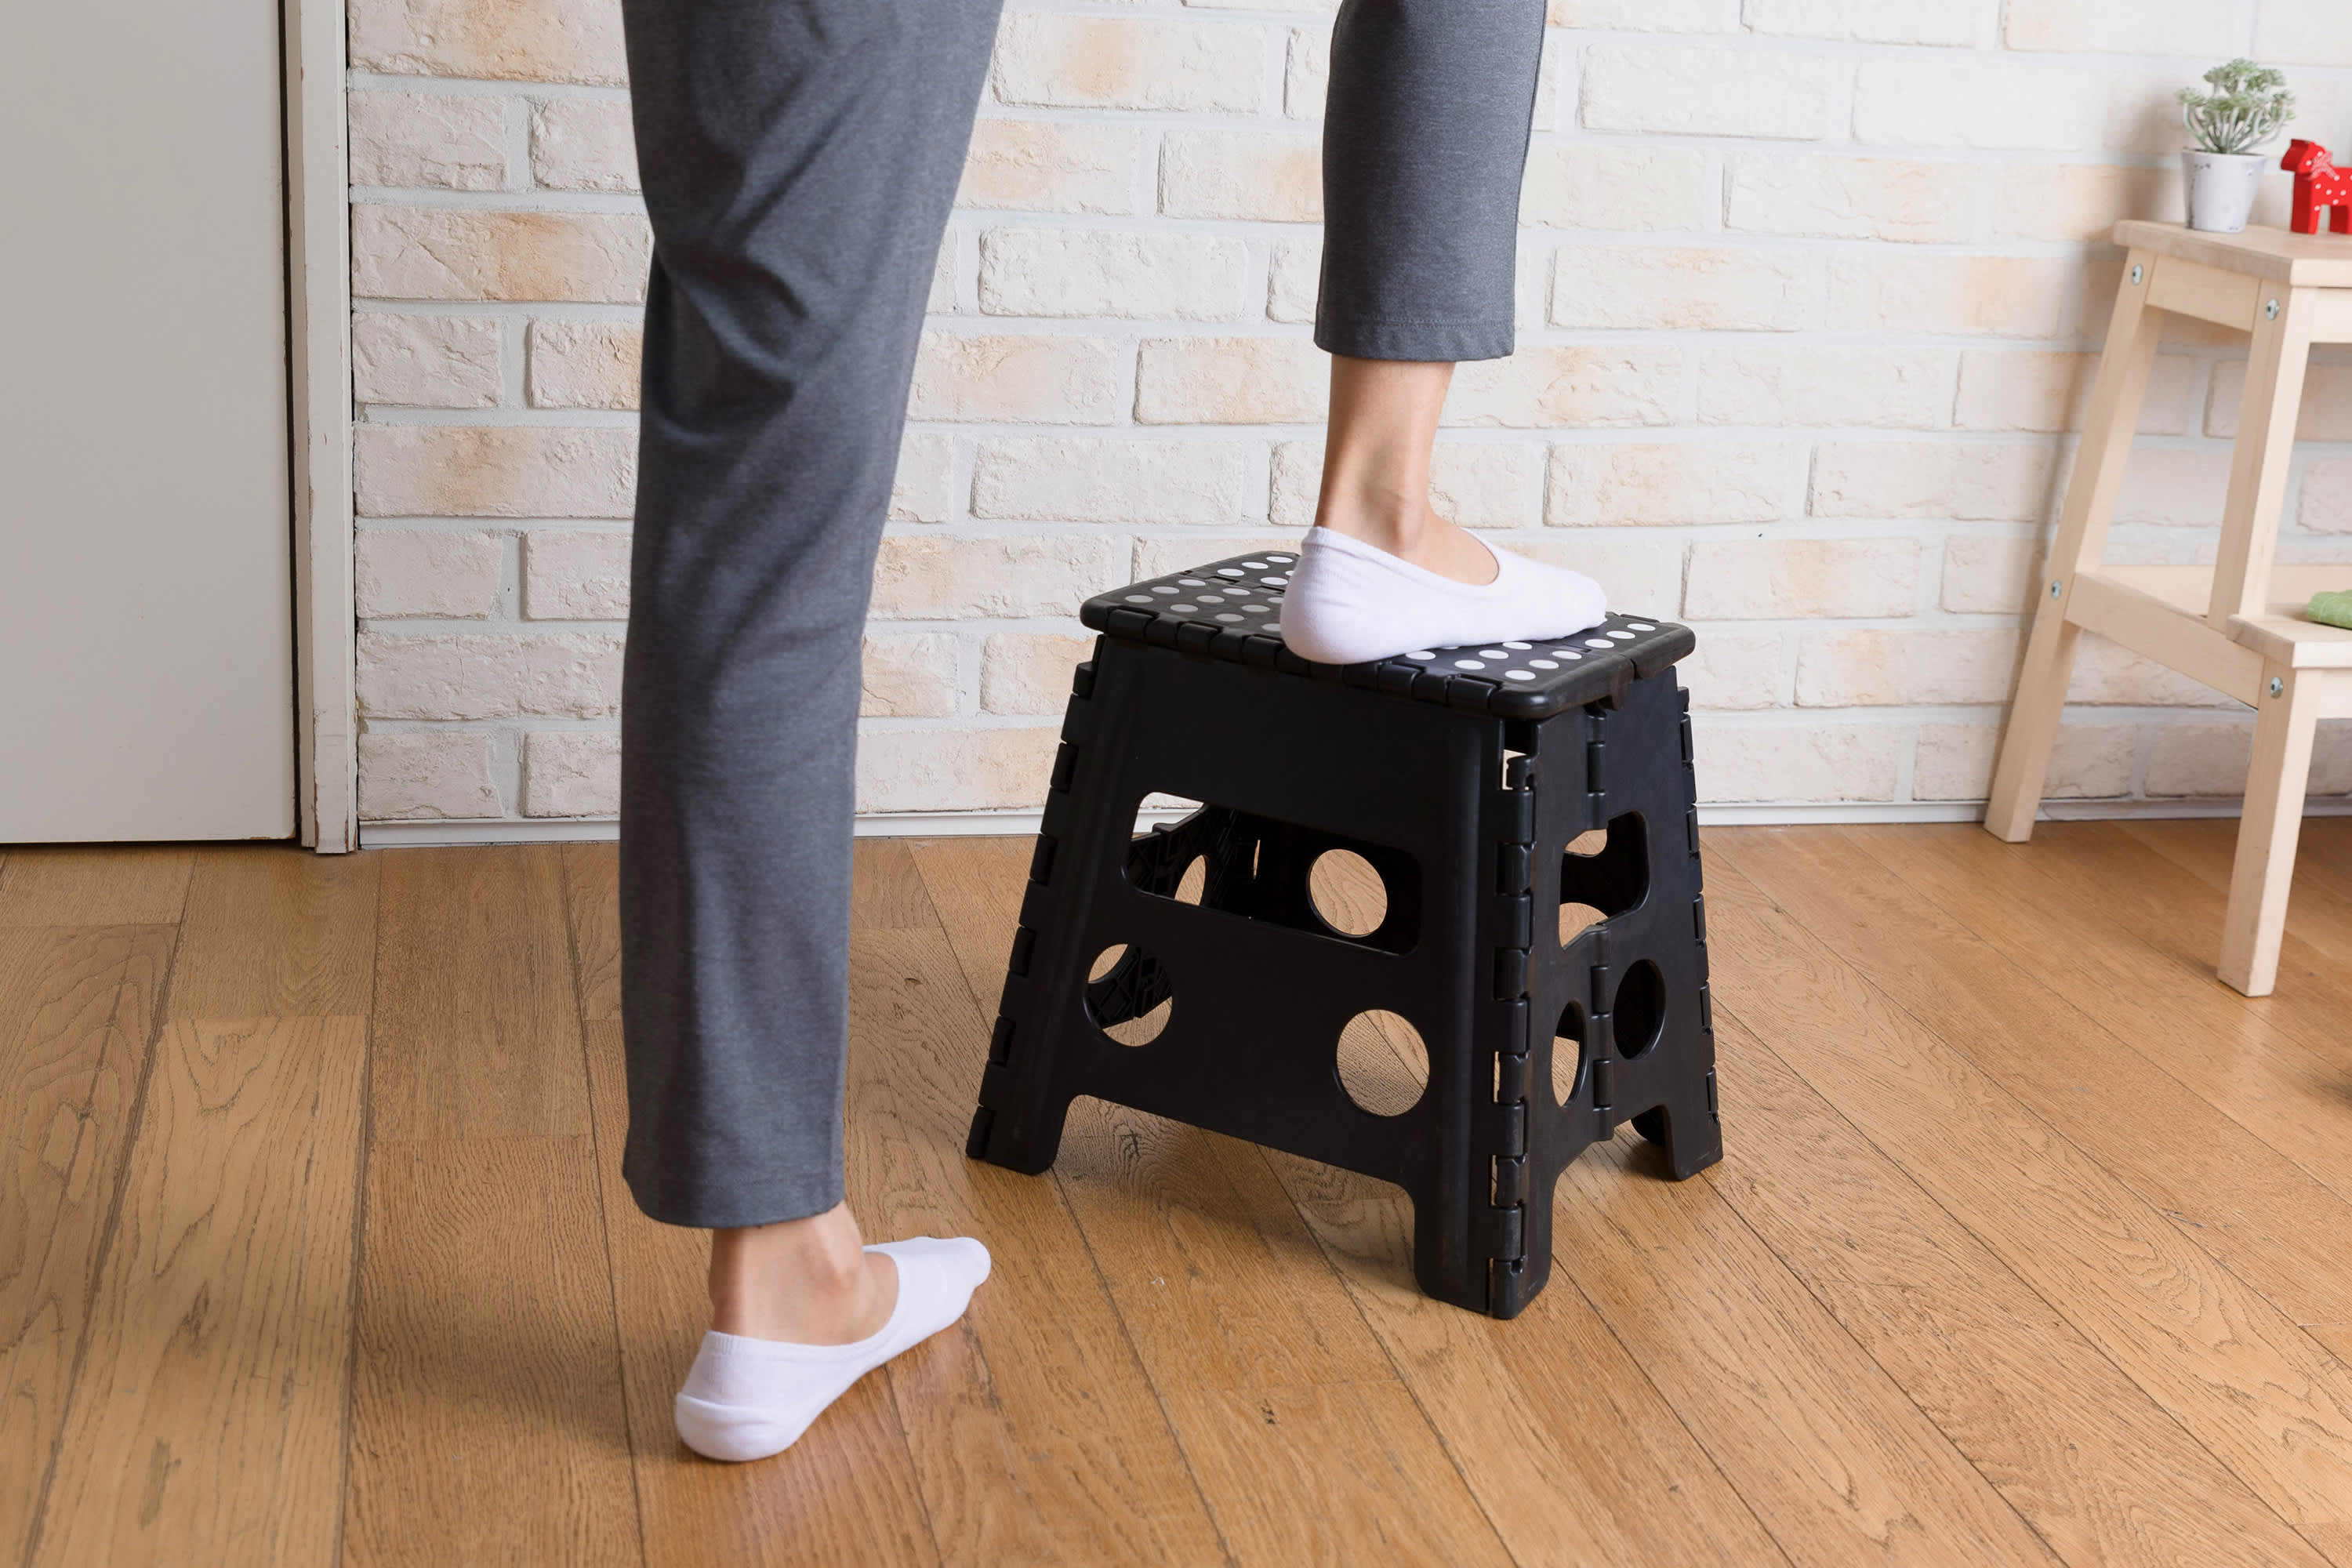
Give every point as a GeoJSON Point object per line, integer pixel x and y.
{"type": "Point", "coordinates": [1510, 1079]}
{"type": "Point", "coordinates": [1500, 1233]}
{"type": "Point", "coordinates": [1514, 1129]}
{"type": "Point", "coordinates": [1082, 680]}
{"type": "Point", "coordinates": [1510, 1181]}
{"type": "Point", "coordinates": [1000, 1044]}
{"type": "Point", "coordinates": [1066, 768]}
{"type": "Point", "coordinates": [1041, 862]}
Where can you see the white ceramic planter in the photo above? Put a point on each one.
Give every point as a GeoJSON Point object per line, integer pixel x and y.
{"type": "Point", "coordinates": [2221, 188]}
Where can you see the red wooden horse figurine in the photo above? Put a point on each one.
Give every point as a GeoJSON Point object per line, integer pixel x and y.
{"type": "Point", "coordinates": [2318, 183]}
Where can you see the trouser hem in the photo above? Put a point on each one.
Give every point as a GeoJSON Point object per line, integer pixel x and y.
{"type": "Point", "coordinates": [1404, 339]}
{"type": "Point", "coordinates": [734, 1208]}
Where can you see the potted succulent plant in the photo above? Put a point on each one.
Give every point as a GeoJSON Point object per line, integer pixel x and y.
{"type": "Point", "coordinates": [2246, 107]}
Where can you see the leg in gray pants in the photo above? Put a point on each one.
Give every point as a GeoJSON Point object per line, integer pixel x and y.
{"type": "Point", "coordinates": [799, 158]}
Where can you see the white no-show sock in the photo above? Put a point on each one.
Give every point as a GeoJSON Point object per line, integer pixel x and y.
{"type": "Point", "coordinates": [1349, 602]}
{"type": "Point", "coordinates": [748, 1398]}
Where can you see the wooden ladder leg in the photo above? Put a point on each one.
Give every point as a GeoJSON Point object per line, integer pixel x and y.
{"type": "Point", "coordinates": [2258, 463]}
{"type": "Point", "coordinates": [2284, 724]}
{"type": "Point", "coordinates": [2081, 542]}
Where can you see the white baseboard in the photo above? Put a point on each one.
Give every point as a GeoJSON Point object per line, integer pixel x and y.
{"type": "Point", "coordinates": [1021, 824]}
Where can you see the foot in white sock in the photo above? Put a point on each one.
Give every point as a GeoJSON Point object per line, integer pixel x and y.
{"type": "Point", "coordinates": [748, 1398]}
{"type": "Point", "coordinates": [1349, 602]}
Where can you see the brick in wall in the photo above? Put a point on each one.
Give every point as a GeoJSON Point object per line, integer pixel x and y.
{"type": "Point", "coordinates": [1673, 483]}
{"type": "Point", "coordinates": [1872, 666]}
{"type": "Point", "coordinates": [434, 574]}
{"type": "Point", "coordinates": [1852, 198]}
{"type": "Point", "coordinates": [476, 470]}
{"type": "Point", "coordinates": [1777, 385]}
{"type": "Point", "coordinates": [1014, 378]}
{"type": "Point", "coordinates": [426, 361]}
{"type": "Point", "coordinates": [1791, 762]}
{"type": "Point", "coordinates": [938, 577]}
{"type": "Point", "coordinates": [910, 676]}
{"type": "Point", "coordinates": [1043, 166]}
{"type": "Point", "coordinates": [582, 144]}
{"type": "Point", "coordinates": [1030, 672]}
{"type": "Point", "coordinates": [446, 140]}
{"type": "Point", "coordinates": [473, 675]}
{"type": "Point", "coordinates": [1681, 287]}
{"type": "Point", "coordinates": [527, 40]}
{"type": "Point", "coordinates": [426, 775]}
{"type": "Point", "coordinates": [1955, 761]}
{"type": "Point", "coordinates": [1121, 62]}
{"type": "Point", "coordinates": [1772, 579]}
{"type": "Point", "coordinates": [1102, 272]}
{"type": "Point", "coordinates": [571, 773]}
{"type": "Point", "coordinates": [1111, 479]}
{"type": "Point", "coordinates": [570, 574]}
{"type": "Point", "coordinates": [466, 253]}
{"type": "Point", "coordinates": [954, 770]}
{"type": "Point", "coordinates": [1698, 90]}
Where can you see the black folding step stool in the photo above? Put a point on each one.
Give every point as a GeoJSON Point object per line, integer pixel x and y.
{"type": "Point", "coordinates": [1462, 775]}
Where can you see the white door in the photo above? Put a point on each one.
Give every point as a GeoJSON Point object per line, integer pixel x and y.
{"type": "Point", "coordinates": [146, 620]}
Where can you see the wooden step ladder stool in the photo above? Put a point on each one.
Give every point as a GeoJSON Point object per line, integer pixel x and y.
{"type": "Point", "coordinates": [2237, 626]}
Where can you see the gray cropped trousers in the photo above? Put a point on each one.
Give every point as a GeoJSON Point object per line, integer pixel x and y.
{"type": "Point", "coordinates": [799, 158]}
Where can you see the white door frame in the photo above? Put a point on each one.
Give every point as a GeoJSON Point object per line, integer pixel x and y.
{"type": "Point", "coordinates": [319, 341]}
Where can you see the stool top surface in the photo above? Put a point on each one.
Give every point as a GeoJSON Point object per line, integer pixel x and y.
{"type": "Point", "coordinates": [2281, 256]}
{"type": "Point", "coordinates": [1232, 609]}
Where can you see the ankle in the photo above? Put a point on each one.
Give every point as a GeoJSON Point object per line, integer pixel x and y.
{"type": "Point", "coordinates": [1402, 527]}
{"type": "Point", "coordinates": [810, 1281]}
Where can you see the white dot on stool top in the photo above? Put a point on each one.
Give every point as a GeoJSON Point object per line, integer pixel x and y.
{"type": "Point", "coordinates": [1544, 663]}
{"type": "Point", "coordinates": [1492, 653]}
{"type": "Point", "coordinates": [1596, 642]}
{"type": "Point", "coordinates": [1255, 566]}
{"type": "Point", "coordinates": [1517, 675]}
{"type": "Point", "coordinates": [1229, 570]}
{"type": "Point", "coordinates": [1185, 609]}
{"type": "Point", "coordinates": [1282, 558]}
{"type": "Point", "coordinates": [1191, 581]}
{"type": "Point", "coordinates": [1642, 626]}
{"type": "Point", "coordinates": [1271, 626]}
{"type": "Point", "coordinates": [1422, 653]}
{"type": "Point", "coordinates": [1519, 644]}
{"type": "Point", "coordinates": [1274, 582]}
{"type": "Point", "coordinates": [1212, 598]}
{"type": "Point", "coordinates": [1623, 637]}
{"type": "Point", "coordinates": [1569, 653]}
{"type": "Point", "coordinates": [1468, 664]}
{"type": "Point", "coordinates": [1139, 598]}
{"type": "Point", "coordinates": [1163, 588]}
{"type": "Point", "coordinates": [1229, 617]}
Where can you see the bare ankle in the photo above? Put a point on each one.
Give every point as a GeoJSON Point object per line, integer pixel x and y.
{"type": "Point", "coordinates": [810, 1281]}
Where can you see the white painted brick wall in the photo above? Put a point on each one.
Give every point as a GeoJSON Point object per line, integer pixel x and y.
{"type": "Point", "coordinates": [1810, 296]}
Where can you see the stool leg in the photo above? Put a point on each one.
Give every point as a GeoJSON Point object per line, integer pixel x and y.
{"type": "Point", "coordinates": [2259, 462]}
{"type": "Point", "coordinates": [2255, 926]}
{"type": "Point", "coordinates": [2081, 543]}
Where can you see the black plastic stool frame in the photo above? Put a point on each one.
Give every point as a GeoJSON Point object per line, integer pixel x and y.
{"type": "Point", "coordinates": [1468, 816]}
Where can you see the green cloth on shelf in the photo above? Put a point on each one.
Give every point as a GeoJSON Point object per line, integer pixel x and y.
{"type": "Point", "coordinates": [2332, 609]}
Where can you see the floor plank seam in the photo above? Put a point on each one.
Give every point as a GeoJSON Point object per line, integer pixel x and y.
{"type": "Point", "coordinates": [603, 1218]}
{"type": "Point", "coordinates": [136, 1114]}
{"type": "Point", "coordinates": [1671, 1408]}
{"type": "Point", "coordinates": [359, 1226]}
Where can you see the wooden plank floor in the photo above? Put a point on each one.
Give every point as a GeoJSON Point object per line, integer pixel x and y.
{"type": "Point", "coordinates": [2033, 1244]}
